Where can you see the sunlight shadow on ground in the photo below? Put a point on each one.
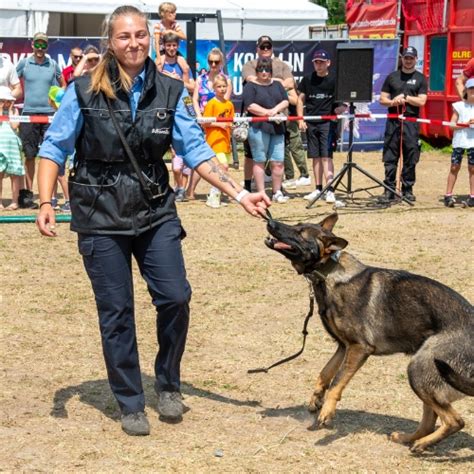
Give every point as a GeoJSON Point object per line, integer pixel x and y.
{"type": "Point", "coordinates": [97, 394]}
{"type": "Point", "coordinates": [349, 422]}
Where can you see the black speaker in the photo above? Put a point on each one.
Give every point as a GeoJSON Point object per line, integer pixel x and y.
{"type": "Point", "coordinates": [355, 66]}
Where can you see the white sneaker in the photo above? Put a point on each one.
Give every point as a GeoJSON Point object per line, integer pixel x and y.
{"type": "Point", "coordinates": [330, 198]}
{"type": "Point", "coordinates": [313, 195]}
{"type": "Point", "coordinates": [303, 181]}
{"type": "Point", "coordinates": [280, 198]}
{"type": "Point", "coordinates": [289, 184]}
{"type": "Point", "coordinates": [214, 200]}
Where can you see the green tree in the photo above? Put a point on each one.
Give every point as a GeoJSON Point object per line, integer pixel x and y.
{"type": "Point", "coordinates": [336, 10]}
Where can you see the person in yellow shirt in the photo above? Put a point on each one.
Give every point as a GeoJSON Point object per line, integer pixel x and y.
{"type": "Point", "coordinates": [218, 133]}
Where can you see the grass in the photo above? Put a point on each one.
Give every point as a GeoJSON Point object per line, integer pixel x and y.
{"type": "Point", "coordinates": [247, 311]}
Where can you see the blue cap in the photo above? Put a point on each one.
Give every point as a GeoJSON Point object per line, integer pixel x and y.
{"type": "Point", "coordinates": [321, 55]}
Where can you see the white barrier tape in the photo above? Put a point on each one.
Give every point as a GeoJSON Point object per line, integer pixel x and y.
{"type": "Point", "coordinates": [306, 118]}
{"type": "Point", "coordinates": [26, 118]}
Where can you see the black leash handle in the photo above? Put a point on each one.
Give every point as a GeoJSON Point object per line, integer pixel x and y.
{"type": "Point", "coordinates": [294, 356]}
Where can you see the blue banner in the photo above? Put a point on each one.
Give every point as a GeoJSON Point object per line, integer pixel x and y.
{"type": "Point", "coordinates": [367, 133]}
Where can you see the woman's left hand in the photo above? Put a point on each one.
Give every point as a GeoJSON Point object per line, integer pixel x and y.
{"type": "Point", "coordinates": [256, 203]}
{"type": "Point", "coordinates": [46, 221]}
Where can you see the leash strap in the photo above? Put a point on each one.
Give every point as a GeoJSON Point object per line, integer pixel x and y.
{"type": "Point", "coordinates": [398, 181]}
{"type": "Point", "coordinates": [149, 192]}
{"type": "Point", "coordinates": [294, 356]}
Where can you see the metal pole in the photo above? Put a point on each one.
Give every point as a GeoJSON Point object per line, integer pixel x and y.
{"type": "Point", "coordinates": [220, 29]}
{"type": "Point", "coordinates": [351, 144]}
{"type": "Point", "coordinates": [445, 14]}
{"type": "Point", "coordinates": [191, 45]}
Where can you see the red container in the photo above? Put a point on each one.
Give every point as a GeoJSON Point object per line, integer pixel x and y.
{"type": "Point", "coordinates": [444, 51]}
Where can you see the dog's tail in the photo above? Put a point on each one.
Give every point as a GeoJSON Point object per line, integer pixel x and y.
{"type": "Point", "coordinates": [459, 382]}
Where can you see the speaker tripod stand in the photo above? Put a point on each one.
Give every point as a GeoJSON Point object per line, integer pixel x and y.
{"type": "Point", "coordinates": [347, 168]}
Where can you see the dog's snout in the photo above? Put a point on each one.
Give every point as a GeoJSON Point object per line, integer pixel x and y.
{"type": "Point", "coordinates": [271, 225]}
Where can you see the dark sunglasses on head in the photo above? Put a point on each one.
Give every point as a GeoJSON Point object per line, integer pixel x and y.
{"type": "Point", "coordinates": [91, 60]}
{"type": "Point", "coordinates": [265, 47]}
{"type": "Point", "coordinates": [264, 69]}
{"type": "Point", "coordinates": [213, 63]}
{"type": "Point", "coordinates": [40, 45]}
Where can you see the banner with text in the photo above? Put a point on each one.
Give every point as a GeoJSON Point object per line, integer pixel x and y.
{"type": "Point", "coordinates": [297, 54]}
{"type": "Point", "coordinates": [372, 21]}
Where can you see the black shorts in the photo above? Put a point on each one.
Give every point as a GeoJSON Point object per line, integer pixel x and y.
{"type": "Point", "coordinates": [31, 135]}
{"type": "Point", "coordinates": [317, 136]}
{"type": "Point", "coordinates": [456, 157]}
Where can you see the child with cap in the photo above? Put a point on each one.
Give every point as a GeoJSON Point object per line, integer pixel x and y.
{"type": "Point", "coordinates": [10, 148]}
{"type": "Point", "coordinates": [463, 140]}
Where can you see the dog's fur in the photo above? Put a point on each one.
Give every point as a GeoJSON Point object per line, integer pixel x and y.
{"type": "Point", "coordinates": [376, 311]}
{"type": "Point", "coordinates": [459, 382]}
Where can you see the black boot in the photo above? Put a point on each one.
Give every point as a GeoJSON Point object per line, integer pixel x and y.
{"type": "Point", "coordinates": [388, 196]}
{"type": "Point", "coordinates": [21, 198]}
{"type": "Point", "coordinates": [25, 199]}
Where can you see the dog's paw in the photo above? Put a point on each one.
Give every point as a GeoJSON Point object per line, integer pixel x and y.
{"type": "Point", "coordinates": [400, 438]}
{"type": "Point", "coordinates": [326, 417]}
{"type": "Point", "coordinates": [313, 407]}
{"type": "Point", "coordinates": [315, 403]}
{"type": "Point", "coordinates": [419, 446]}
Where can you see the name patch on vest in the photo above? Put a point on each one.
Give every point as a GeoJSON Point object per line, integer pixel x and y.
{"type": "Point", "coordinates": [188, 105]}
{"type": "Point", "coordinates": [160, 131]}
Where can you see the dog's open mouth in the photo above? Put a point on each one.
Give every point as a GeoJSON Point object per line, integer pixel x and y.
{"type": "Point", "coordinates": [277, 244]}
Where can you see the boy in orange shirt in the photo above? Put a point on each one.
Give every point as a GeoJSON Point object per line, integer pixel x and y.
{"type": "Point", "coordinates": [218, 133]}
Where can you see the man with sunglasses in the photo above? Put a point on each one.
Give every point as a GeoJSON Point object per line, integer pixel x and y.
{"type": "Point", "coordinates": [39, 73]}
{"type": "Point", "coordinates": [280, 72]}
{"type": "Point", "coordinates": [75, 55]}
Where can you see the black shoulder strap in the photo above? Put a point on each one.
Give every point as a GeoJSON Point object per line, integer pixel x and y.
{"type": "Point", "coordinates": [146, 188]}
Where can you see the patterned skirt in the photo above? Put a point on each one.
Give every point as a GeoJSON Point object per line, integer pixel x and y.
{"type": "Point", "coordinates": [10, 151]}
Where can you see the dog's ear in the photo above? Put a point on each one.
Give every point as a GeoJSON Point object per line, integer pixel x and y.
{"type": "Point", "coordinates": [333, 244]}
{"type": "Point", "coordinates": [328, 222]}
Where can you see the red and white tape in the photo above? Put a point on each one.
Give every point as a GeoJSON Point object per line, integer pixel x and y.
{"type": "Point", "coordinates": [306, 118]}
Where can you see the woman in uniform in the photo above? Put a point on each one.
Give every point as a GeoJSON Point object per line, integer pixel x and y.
{"type": "Point", "coordinates": [120, 120]}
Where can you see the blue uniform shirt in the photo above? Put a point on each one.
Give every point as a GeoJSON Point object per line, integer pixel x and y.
{"type": "Point", "coordinates": [60, 139]}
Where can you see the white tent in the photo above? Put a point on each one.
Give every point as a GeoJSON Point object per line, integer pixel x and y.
{"type": "Point", "coordinates": [242, 19]}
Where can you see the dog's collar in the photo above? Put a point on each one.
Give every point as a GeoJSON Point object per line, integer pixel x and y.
{"type": "Point", "coordinates": [322, 272]}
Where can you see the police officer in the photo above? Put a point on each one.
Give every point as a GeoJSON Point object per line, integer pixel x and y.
{"type": "Point", "coordinates": [404, 91]}
{"type": "Point", "coordinates": [120, 209]}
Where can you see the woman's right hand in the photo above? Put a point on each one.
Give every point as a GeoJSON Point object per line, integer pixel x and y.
{"type": "Point", "coordinates": [46, 221]}
{"type": "Point", "coordinates": [256, 204]}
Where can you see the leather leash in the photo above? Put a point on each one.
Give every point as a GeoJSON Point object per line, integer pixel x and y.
{"type": "Point", "coordinates": [305, 325]}
{"type": "Point", "coordinates": [305, 333]}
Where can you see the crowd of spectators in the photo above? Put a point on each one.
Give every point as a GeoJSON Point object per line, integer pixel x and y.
{"type": "Point", "coordinates": [269, 89]}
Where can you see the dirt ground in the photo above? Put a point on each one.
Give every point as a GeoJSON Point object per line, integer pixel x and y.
{"type": "Point", "coordinates": [57, 412]}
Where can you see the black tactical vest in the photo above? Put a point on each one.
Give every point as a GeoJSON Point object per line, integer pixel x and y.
{"type": "Point", "coordinates": [106, 196]}
{"type": "Point", "coordinates": [149, 135]}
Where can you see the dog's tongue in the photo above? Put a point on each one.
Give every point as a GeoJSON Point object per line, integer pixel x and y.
{"type": "Point", "coordinates": [281, 246]}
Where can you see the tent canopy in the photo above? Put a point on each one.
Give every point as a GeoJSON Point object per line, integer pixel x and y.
{"type": "Point", "coordinates": [242, 19]}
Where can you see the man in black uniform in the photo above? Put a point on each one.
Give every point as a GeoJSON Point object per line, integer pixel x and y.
{"type": "Point", "coordinates": [403, 92]}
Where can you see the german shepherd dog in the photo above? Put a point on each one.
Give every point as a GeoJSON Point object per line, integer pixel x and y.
{"type": "Point", "coordinates": [376, 311]}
